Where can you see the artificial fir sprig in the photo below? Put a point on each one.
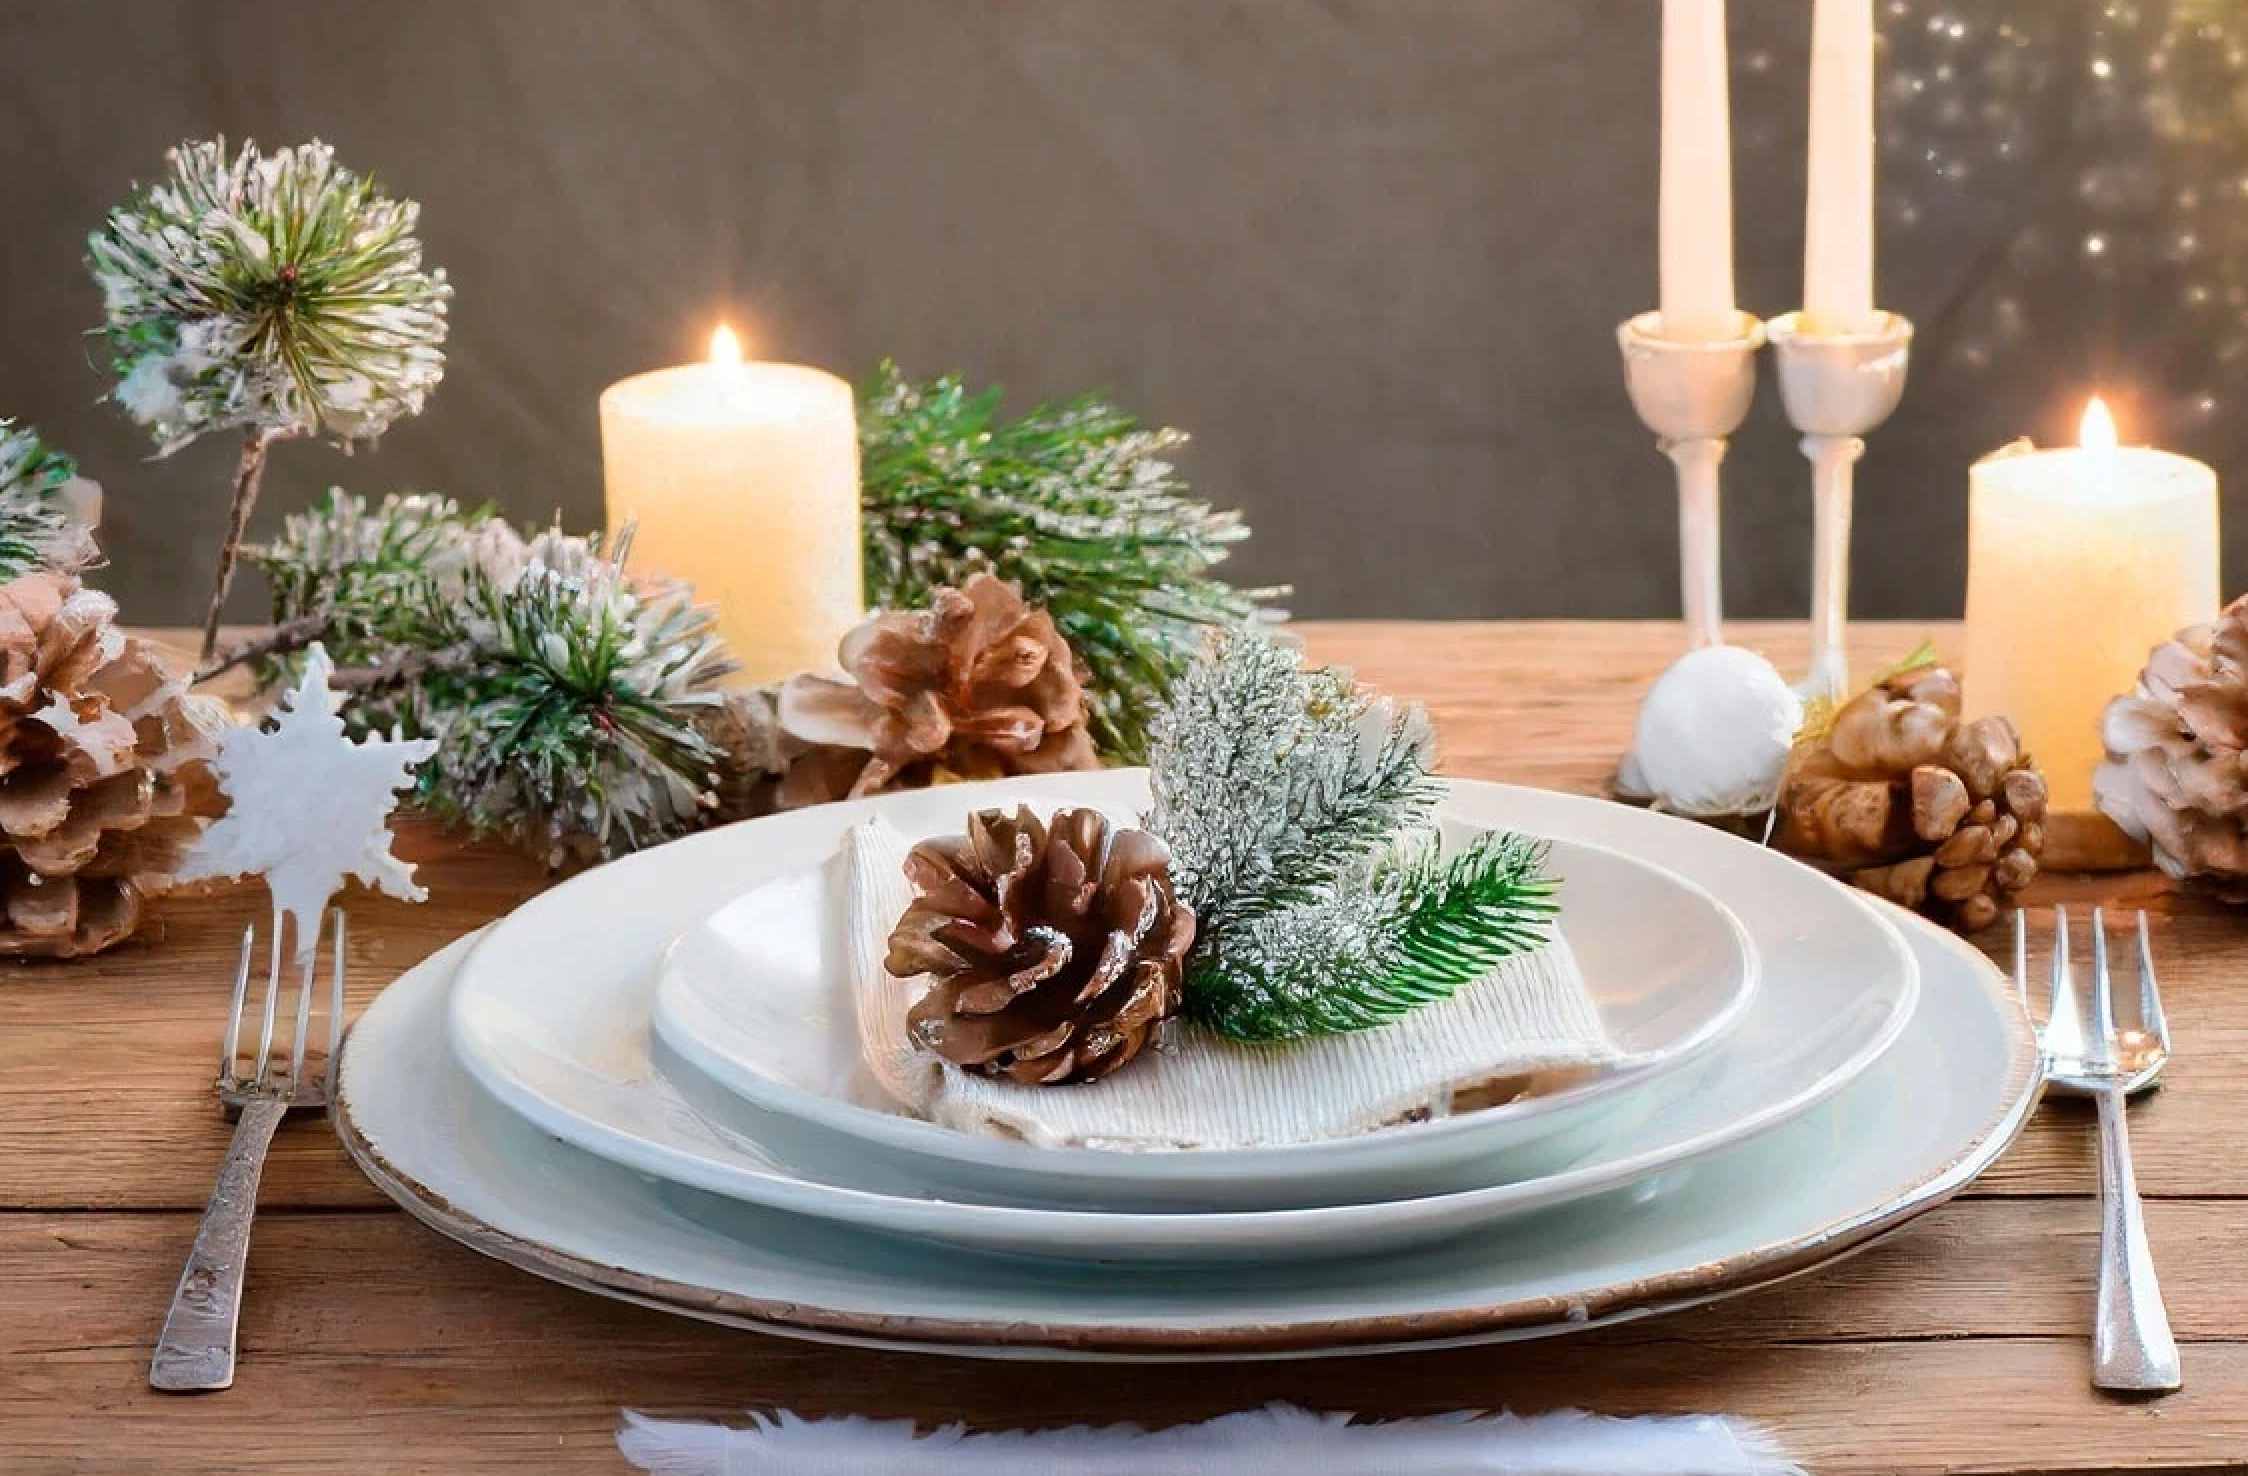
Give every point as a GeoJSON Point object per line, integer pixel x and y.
{"type": "Point", "coordinates": [44, 523]}
{"type": "Point", "coordinates": [275, 294]}
{"type": "Point", "coordinates": [570, 702]}
{"type": "Point", "coordinates": [1297, 811]}
{"type": "Point", "coordinates": [1077, 504]}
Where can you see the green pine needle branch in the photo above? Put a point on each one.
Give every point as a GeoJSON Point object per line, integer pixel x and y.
{"type": "Point", "coordinates": [1077, 503]}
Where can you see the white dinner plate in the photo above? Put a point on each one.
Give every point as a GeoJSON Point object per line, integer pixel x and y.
{"type": "Point", "coordinates": [570, 1045]}
{"type": "Point", "coordinates": [1908, 1134]}
{"type": "Point", "coordinates": [757, 1000]}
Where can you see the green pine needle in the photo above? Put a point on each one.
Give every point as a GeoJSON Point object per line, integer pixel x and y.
{"type": "Point", "coordinates": [1077, 503]}
{"type": "Point", "coordinates": [1454, 919]}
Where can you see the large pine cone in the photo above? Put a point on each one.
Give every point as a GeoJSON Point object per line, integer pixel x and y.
{"type": "Point", "coordinates": [1938, 815]}
{"type": "Point", "coordinates": [978, 686]}
{"type": "Point", "coordinates": [2176, 775]}
{"type": "Point", "coordinates": [1053, 952]}
{"type": "Point", "coordinates": [104, 773]}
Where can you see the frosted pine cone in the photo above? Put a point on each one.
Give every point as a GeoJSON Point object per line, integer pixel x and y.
{"type": "Point", "coordinates": [2176, 775]}
{"type": "Point", "coordinates": [104, 773]}
{"type": "Point", "coordinates": [1054, 951]}
{"type": "Point", "coordinates": [978, 686]}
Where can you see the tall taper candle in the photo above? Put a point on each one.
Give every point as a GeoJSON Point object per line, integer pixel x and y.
{"type": "Point", "coordinates": [1697, 175]}
{"type": "Point", "coordinates": [1838, 208]}
{"type": "Point", "coordinates": [743, 479]}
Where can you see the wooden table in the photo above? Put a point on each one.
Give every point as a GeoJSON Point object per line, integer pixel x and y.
{"type": "Point", "coordinates": [370, 1345]}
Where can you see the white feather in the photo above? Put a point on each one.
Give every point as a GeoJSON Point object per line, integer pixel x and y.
{"type": "Point", "coordinates": [1279, 1440]}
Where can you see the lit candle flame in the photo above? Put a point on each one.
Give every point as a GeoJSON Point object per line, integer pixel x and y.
{"type": "Point", "coordinates": [2098, 431]}
{"type": "Point", "coordinates": [727, 349]}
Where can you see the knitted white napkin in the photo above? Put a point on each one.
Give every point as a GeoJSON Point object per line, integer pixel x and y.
{"type": "Point", "coordinates": [1502, 1034]}
{"type": "Point", "coordinates": [1278, 1441]}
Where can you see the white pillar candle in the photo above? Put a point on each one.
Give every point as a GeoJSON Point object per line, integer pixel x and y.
{"type": "Point", "coordinates": [743, 479]}
{"type": "Point", "coordinates": [1697, 175]}
{"type": "Point", "coordinates": [2079, 562]}
{"type": "Point", "coordinates": [1838, 207]}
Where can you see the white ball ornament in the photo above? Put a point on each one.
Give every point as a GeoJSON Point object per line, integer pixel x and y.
{"type": "Point", "coordinates": [1714, 733]}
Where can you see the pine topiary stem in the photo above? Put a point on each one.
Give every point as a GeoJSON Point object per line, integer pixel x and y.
{"type": "Point", "coordinates": [247, 477]}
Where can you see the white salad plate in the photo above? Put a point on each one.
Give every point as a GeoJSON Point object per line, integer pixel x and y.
{"type": "Point", "coordinates": [568, 1033]}
{"type": "Point", "coordinates": [1908, 1134]}
{"type": "Point", "coordinates": [757, 1000]}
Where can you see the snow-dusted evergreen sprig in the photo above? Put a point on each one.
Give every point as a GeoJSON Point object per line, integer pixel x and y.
{"type": "Point", "coordinates": [1273, 780]}
{"type": "Point", "coordinates": [571, 702]}
{"type": "Point", "coordinates": [273, 294]}
{"type": "Point", "coordinates": [1297, 808]}
{"type": "Point", "coordinates": [1078, 504]}
{"type": "Point", "coordinates": [45, 506]}
{"type": "Point", "coordinates": [572, 722]}
{"type": "Point", "coordinates": [279, 293]}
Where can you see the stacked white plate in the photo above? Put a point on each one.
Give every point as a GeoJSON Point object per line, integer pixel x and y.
{"type": "Point", "coordinates": [646, 1083]}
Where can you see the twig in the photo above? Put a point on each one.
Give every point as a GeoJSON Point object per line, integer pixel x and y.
{"type": "Point", "coordinates": [289, 635]}
{"type": "Point", "coordinates": [247, 476]}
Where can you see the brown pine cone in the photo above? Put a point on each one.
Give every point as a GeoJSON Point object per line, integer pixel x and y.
{"type": "Point", "coordinates": [978, 686]}
{"type": "Point", "coordinates": [104, 773]}
{"type": "Point", "coordinates": [2176, 775]}
{"type": "Point", "coordinates": [1942, 816]}
{"type": "Point", "coordinates": [1054, 951]}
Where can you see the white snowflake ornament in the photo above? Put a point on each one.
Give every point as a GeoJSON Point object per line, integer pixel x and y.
{"type": "Point", "coordinates": [307, 806]}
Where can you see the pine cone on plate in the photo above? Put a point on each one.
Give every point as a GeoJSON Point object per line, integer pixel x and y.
{"type": "Point", "coordinates": [104, 773]}
{"type": "Point", "coordinates": [1054, 950]}
{"type": "Point", "coordinates": [2176, 775]}
{"type": "Point", "coordinates": [1938, 815]}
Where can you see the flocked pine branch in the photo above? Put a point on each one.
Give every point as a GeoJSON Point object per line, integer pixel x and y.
{"type": "Point", "coordinates": [571, 703]}
{"type": "Point", "coordinates": [1297, 810]}
{"type": "Point", "coordinates": [1078, 504]}
{"type": "Point", "coordinates": [273, 294]}
{"type": "Point", "coordinates": [1273, 780]}
{"type": "Point", "coordinates": [46, 508]}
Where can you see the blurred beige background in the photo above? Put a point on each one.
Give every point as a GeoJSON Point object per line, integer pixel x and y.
{"type": "Point", "coordinates": [1371, 252]}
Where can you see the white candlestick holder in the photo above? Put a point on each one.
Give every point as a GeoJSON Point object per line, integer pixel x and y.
{"type": "Point", "coordinates": [1693, 394]}
{"type": "Point", "coordinates": [1837, 388]}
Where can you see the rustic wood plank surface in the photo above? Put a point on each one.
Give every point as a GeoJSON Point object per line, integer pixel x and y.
{"type": "Point", "coordinates": [372, 1345]}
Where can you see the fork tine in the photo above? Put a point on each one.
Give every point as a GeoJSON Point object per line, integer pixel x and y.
{"type": "Point", "coordinates": [335, 1003]}
{"type": "Point", "coordinates": [2150, 997]}
{"type": "Point", "coordinates": [272, 1000]}
{"type": "Point", "coordinates": [2064, 1023]}
{"type": "Point", "coordinates": [233, 1046]}
{"type": "Point", "coordinates": [2021, 960]}
{"type": "Point", "coordinates": [2100, 1048]}
{"type": "Point", "coordinates": [309, 959]}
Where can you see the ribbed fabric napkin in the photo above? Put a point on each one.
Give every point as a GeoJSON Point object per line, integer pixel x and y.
{"type": "Point", "coordinates": [1279, 1441]}
{"type": "Point", "coordinates": [1199, 1090]}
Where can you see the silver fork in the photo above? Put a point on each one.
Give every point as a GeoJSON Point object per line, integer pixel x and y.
{"type": "Point", "coordinates": [2132, 1349]}
{"type": "Point", "coordinates": [196, 1351]}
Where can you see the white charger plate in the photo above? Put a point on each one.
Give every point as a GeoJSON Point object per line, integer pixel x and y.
{"type": "Point", "coordinates": [757, 1000]}
{"type": "Point", "coordinates": [577, 1065]}
{"type": "Point", "coordinates": [1906, 1136]}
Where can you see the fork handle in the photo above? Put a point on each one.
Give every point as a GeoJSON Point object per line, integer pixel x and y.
{"type": "Point", "coordinates": [196, 1351]}
{"type": "Point", "coordinates": [2132, 1348]}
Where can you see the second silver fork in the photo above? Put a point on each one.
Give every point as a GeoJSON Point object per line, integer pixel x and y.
{"type": "Point", "coordinates": [196, 1351]}
{"type": "Point", "coordinates": [2132, 1347]}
